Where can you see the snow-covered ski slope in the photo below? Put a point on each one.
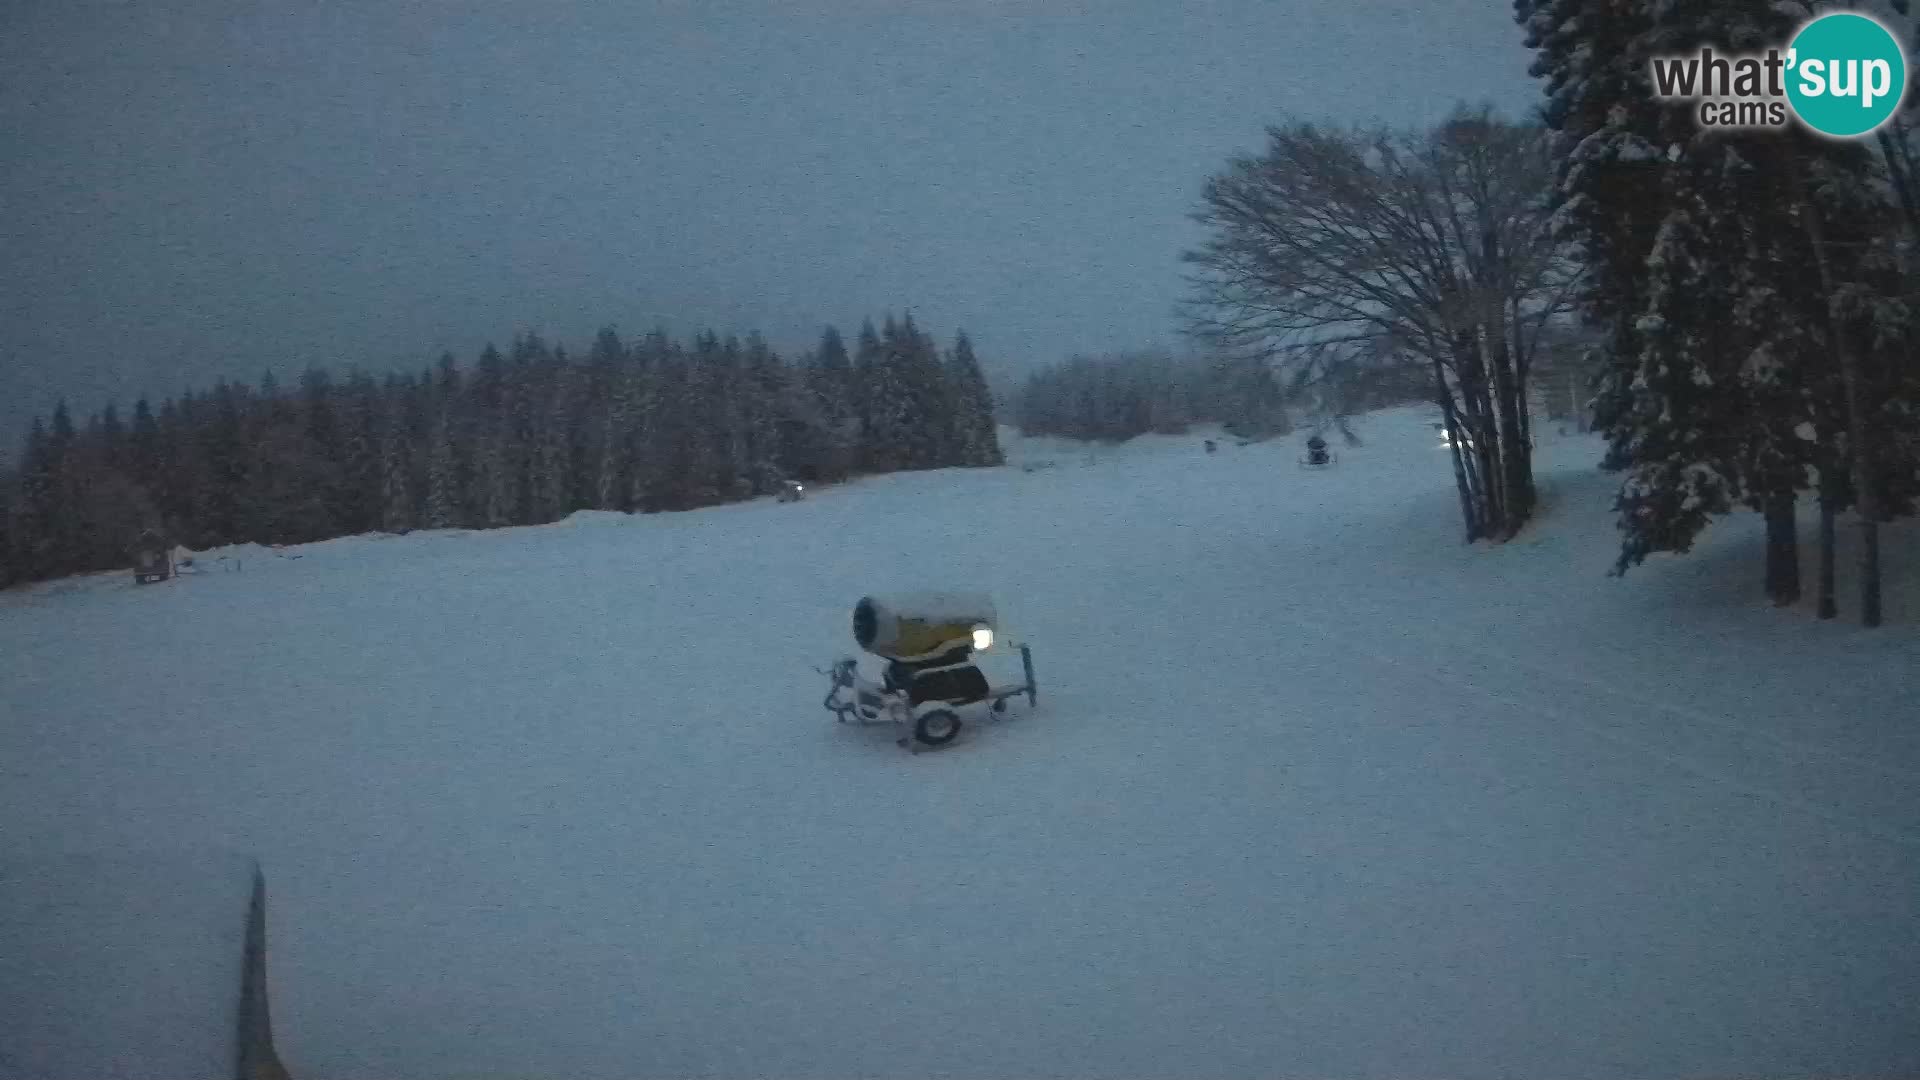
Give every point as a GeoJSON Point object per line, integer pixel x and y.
{"type": "Point", "coordinates": [1313, 789]}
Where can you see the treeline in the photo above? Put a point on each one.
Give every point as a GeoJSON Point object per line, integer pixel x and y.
{"type": "Point", "coordinates": [520, 438]}
{"type": "Point", "coordinates": [1116, 396]}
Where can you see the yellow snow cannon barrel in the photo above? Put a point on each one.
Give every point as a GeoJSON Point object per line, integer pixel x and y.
{"type": "Point", "coordinates": [920, 626]}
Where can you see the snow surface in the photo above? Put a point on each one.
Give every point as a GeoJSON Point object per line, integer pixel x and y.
{"type": "Point", "coordinates": [1312, 788]}
{"type": "Point", "coordinates": [122, 965]}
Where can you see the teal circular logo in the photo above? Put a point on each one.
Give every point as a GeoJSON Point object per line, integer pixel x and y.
{"type": "Point", "coordinates": [1845, 74]}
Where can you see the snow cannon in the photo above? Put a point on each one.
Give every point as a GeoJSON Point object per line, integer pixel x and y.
{"type": "Point", "coordinates": [928, 641]}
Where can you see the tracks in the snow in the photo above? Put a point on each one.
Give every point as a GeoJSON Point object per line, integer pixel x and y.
{"type": "Point", "coordinates": [1793, 765]}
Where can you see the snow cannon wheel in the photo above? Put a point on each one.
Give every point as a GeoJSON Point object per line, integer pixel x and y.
{"type": "Point", "coordinates": [937, 727]}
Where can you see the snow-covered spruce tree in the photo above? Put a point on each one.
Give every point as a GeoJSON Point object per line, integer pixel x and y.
{"type": "Point", "coordinates": [182, 472]}
{"type": "Point", "coordinates": [362, 481]}
{"type": "Point", "coordinates": [1677, 433]}
{"type": "Point", "coordinates": [485, 394]}
{"type": "Point", "coordinates": [1693, 402]}
{"type": "Point", "coordinates": [606, 356]}
{"type": "Point", "coordinates": [867, 355]}
{"type": "Point", "coordinates": [38, 522]}
{"type": "Point", "coordinates": [657, 367]}
{"type": "Point", "coordinates": [1654, 280]}
{"type": "Point", "coordinates": [830, 377]}
{"type": "Point", "coordinates": [684, 460]}
{"type": "Point", "coordinates": [221, 447]}
{"type": "Point", "coordinates": [978, 436]}
{"type": "Point", "coordinates": [615, 439]}
{"type": "Point", "coordinates": [928, 436]}
{"type": "Point", "coordinates": [443, 505]}
{"type": "Point", "coordinates": [1608, 192]}
{"type": "Point", "coordinates": [319, 405]}
{"type": "Point", "coordinates": [396, 500]}
{"type": "Point", "coordinates": [714, 378]}
{"type": "Point", "coordinates": [812, 444]}
{"type": "Point", "coordinates": [529, 365]}
{"type": "Point", "coordinates": [144, 447]}
{"type": "Point", "coordinates": [767, 387]}
{"type": "Point", "coordinates": [494, 474]}
{"type": "Point", "coordinates": [884, 399]}
{"type": "Point", "coordinates": [551, 472]}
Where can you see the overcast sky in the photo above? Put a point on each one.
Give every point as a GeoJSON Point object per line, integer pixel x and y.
{"type": "Point", "coordinates": [198, 189]}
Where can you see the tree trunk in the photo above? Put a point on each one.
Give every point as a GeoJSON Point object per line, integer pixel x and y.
{"type": "Point", "coordinates": [1783, 551]}
{"type": "Point", "coordinates": [1482, 433]}
{"type": "Point", "coordinates": [1827, 609]}
{"type": "Point", "coordinates": [1444, 398]}
{"type": "Point", "coordinates": [1865, 486]}
{"type": "Point", "coordinates": [1516, 469]}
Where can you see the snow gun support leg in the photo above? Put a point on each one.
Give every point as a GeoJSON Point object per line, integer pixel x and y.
{"type": "Point", "coordinates": [1026, 663]}
{"type": "Point", "coordinates": [997, 697]}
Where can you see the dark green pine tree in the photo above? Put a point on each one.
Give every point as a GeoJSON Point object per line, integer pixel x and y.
{"type": "Point", "coordinates": [145, 465]}
{"type": "Point", "coordinates": [1610, 193]}
{"type": "Point", "coordinates": [763, 386]}
{"type": "Point", "coordinates": [495, 475]}
{"type": "Point", "coordinates": [928, 437]}
{"type": "Point", "coordinates": [978, 434]}
{"type": "Point", "coordinates": [659, 434]}
{"type": "Point", "coordinates": [1678, 435]}
{"type": "Point", "coordinates": [888, 402]}
{"type": "Point", "coordinates": [1645, 217]}
{"type": "Point", "coordinates": [182, 472]}
{"type": "Point", "coordinates": [37, 523]}
{"type": "Point", "coordinates": [732, 406]}
{"type": "Point", "coordinates": [525, 376]}
{"type": "Point", "coordinates": [443, 503]}
{"type": "Point", "coordinates": [113, 450]}
{"type": "Point", "coordinates": [396, 453]}
{"type": "Point", "coordinates": [871, 454]}
{"type": "Point", "coordinates": [605, 358]}
{"type": "Point", "coordinates": [830, 376]}
{"type": "Point", "coordinates": [476, 435]}
{"type": "Point", "coordinates": [320, 404]}
{"type": "Point", "coordinates": [553, 450]}
{"type": "Point", "coordinates": [684, 461]}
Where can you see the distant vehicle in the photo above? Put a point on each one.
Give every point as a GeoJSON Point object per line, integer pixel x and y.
{"type": "Point", "coordinates": [152, 558]}
{"type": "Point", "coordinates": [792, 491]}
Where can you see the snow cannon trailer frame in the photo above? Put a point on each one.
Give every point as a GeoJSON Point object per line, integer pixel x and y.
{"type": "Point", "coordinates": [928, 641]}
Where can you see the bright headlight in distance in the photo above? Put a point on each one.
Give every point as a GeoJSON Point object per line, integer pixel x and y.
{"type": "Point", "coordinates": [982, 639]}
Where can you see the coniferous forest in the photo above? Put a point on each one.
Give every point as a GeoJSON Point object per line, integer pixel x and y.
{"type": "Point", "coordinates": [516, 438]}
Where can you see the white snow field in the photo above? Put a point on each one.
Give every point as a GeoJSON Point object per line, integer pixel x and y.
{"type": "Point", "coordinates": [125, 966]}
{"type": "Point", "coordinates": [1312, 788]}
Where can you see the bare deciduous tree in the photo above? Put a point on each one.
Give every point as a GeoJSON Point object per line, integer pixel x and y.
{"type": "Point", "coordinates": [1343, 250]}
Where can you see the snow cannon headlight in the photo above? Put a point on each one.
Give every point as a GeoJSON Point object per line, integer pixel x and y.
{"type": "Point", "coordinates": [924, 625]}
